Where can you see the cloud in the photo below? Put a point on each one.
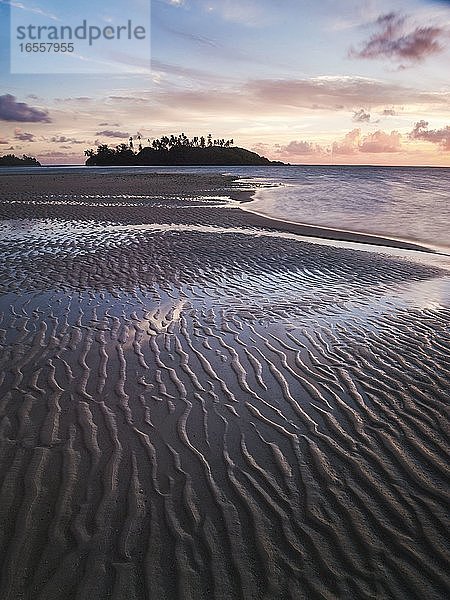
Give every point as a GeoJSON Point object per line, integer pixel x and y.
{"type": "Point", "coordinates": [57, 154]}
{"type": "Point", "coordinates": [389, 112]}
{"type": "Point", "coordinates": [75, 99]}
{"type": "Point", "coordinates": [393, 41]}
{"type": "Point", "coordinates": [62, 139]}
{"type": "Point", "coordinates": [262, 148]}
{"type": "Point", "coordinates": [300, 148]}
{"type": "Point", "coordinates": [163, 69]}
{"type": "Point", "coordinates": [376, 142]}
{"type": "Point", "coordinates": [274, 97]}
{"type": "Point", "coordinates": [129, 99]}
{"type": "Point", "coordinates": [108, 124]}
{"type": "Point", "coordinates": [441, 137]}
{"type": "Point", "coordinates": [379, 141]}
{"type": "Point", "coordinates": [250, 13]}
{"type": "Point", "coordinates": [34, 10]}
{"type": "Point", "coordinates": [337, 93]}
{"type": "Point", "coordinates": [23, 136]}
{"type": "Point", "coordinates": [350, 143]}
{"type": "Point", "coordinates": [4, 141]}
{"type": "Point", "coordinates": [361, 116]}
{"type": "Point", "coordinates": [194, 37]}
{"type": "Point", "coordinates": [11, 110]}
{"type": "Point", "coordinates": [113, 134]}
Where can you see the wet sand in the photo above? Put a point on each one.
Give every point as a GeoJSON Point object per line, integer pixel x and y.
{"type": "Point", "coordinates": [194, 406]}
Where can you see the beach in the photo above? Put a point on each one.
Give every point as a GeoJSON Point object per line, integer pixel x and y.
{"type": "Point", "coordinates": [198, 402]}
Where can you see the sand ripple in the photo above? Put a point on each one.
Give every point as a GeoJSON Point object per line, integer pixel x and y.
{"type": "Point", "coordinates": [187, 414]}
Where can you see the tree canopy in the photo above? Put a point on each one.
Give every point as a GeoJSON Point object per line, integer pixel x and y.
{"type": "Point", "coordinates": [175, 150]}
{"type": "Point", "coordinates": [10, 160]}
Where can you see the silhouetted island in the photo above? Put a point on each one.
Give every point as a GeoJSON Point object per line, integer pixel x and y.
{"type": "Point", "coordinates": [10, 160]}
{"type": "Point", "coordinates": [176, 150]}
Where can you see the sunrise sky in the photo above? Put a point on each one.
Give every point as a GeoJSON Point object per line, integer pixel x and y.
{"type": "Point", "coordinates": [303, 81]}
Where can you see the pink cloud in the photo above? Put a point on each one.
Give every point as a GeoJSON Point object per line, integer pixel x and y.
{"type": "Point", "coordinates": [376, 142]}
{"type": "Point", "coordinates": [379, 141]}
{"type": "Point", "coordinates": [261, 148]}
{"type": "Point", "coordinates": [301, 148]}
{"type": "Point", "coordinates": [283, 96]}
{"type": "Point", "coordinates": [395, 42]}
{"type": "Point", "coordinates": [353, 143]}
{"type": "Point", "coordinates": [350, 143]}
{"type": "Point", "coordinates": [435, 136]}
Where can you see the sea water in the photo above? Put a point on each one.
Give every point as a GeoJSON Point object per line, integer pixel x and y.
{"type": "Point", "coordinates": [403, 203]}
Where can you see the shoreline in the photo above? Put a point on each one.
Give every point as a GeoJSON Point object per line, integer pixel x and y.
{"type": "Point", "coordinates": [318, 231]}
{"type": "Point", "coordinates": [98, 185]}
{"type": "Point", "coordinates": [328, 233]}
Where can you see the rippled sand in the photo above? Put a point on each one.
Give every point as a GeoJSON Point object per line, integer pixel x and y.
{"type": "Point", "coordinates": [192, 407]}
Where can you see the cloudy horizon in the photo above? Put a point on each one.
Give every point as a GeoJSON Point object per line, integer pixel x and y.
{"type": "Point", "coordinates": [297, 81]}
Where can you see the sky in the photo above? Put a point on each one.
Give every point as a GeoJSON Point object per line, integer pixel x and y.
{"type": "Point", "coordinates": [302, 81]}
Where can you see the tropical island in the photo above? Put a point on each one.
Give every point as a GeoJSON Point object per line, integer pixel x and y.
{"type": "Point", "coordinates": [10, 160]}
{"type": "Point", "coordinates": [176, 150]}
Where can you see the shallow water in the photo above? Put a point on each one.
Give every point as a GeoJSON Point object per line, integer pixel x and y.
{"type": "Point", "coordinates": [411, 204]}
